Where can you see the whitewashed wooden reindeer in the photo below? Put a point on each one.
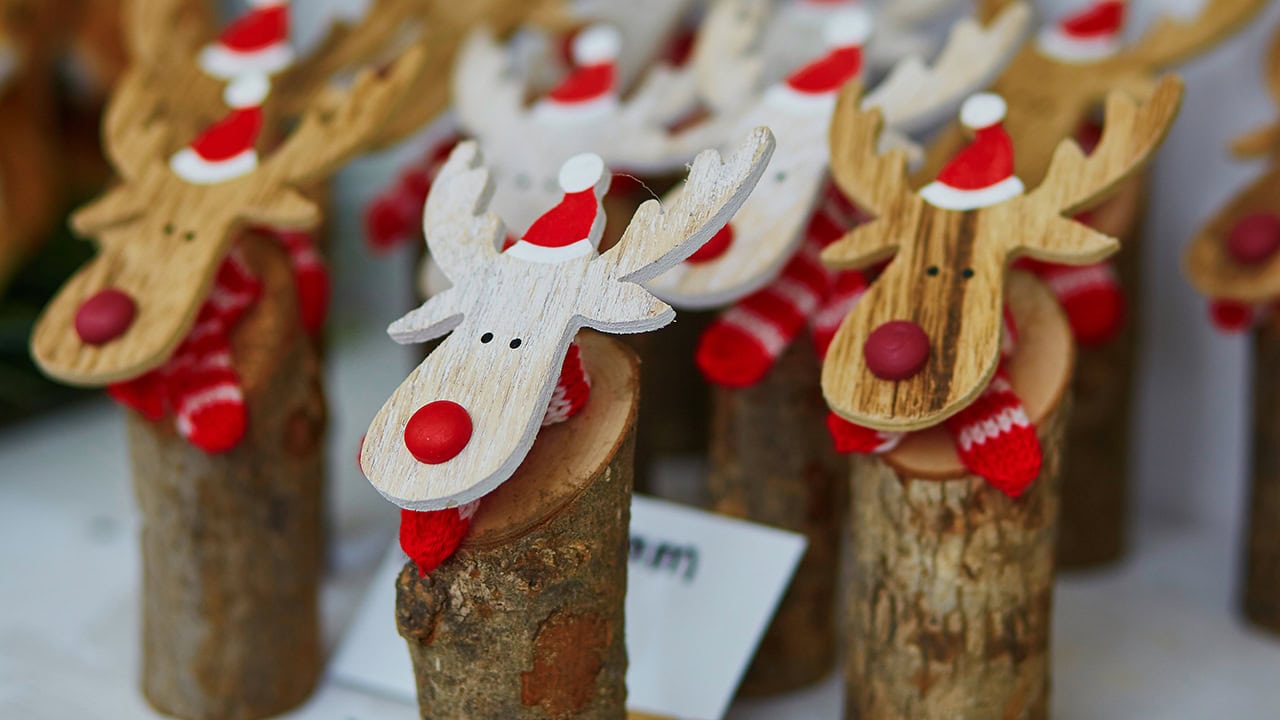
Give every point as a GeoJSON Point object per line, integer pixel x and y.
{"type": "Point", "coordinates": [165, 228]}
{"type": "Point", "coordinates": [767, 231]}
{"type": "Point", "coordinates": [464, 419]}
{"type": "Point", "coordinates": [584, 113]}
{"type": "Point", "coordinates": [925, 340]}
{"type": "Point", "coordinates": [647, 29]}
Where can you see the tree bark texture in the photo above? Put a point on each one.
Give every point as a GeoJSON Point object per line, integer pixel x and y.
{"type": "Point", "coordinates": [1095, 497]}
{"type": "Point", "coordinates": [1261, 595]}
{"type": "Point", "coordinates": [526, 619]}
{"type": "Point", "coordinates": [772, 462]}
{"type": "Point", "coordinates": [950, 587]}
{"type": "Point", "coordinates": [230, 542]}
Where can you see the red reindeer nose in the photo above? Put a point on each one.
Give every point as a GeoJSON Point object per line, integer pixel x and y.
{"type": "Point", "coordinates": [437, 432]}
{"type": "Point", "coordinates": [1254, 239]}
{"type": "Point", "coordinates": [105, 316]}
{"type": "Point", "coordinates": [896, 350]}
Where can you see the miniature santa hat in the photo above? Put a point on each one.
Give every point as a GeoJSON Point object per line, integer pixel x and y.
{"type": "Point", "coordinates": [982, 173]}
{"type": "Point", "coordinates": [593, 82]}
{"type": "Point", "coordinates": [225, 150]}
{"type": "Point", "coordinates": [572, 228]}
{"type": "Point", "coordinates": [257, 42]}
{"type": "Point", "coordinates": [1086, 35]}
{"type": "Point", "coordinates": [845, 33]}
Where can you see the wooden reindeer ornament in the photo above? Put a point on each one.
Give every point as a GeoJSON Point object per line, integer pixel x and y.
{"type": "Point", "coordinates": [165, 228]}
{"type": "Point", "coordinates": [1232, 261]}
{"type": "Point", "coordinates": [462, 421]}
{"type": "Point", "coordinates": [767, 231]}
{"type": "Point", "coordinates": [647, 30]}
{"type": "Point", "coordinates": [925, 339]}
{"type": "Point", "coordinates": [584, 113]}
{"type": "Point", "coordinates": [1058, 79]}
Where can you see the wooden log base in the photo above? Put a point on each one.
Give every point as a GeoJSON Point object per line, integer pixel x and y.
{"type": "Point", "coordinates": [949, 581]}
{"type": "Point", "coordinates": [231, 566]}
{"type": "Point", "coordinates": [1261, 592]}
{"type": "Point", "coordinates": [772, 462]}
{"type": "Point", "coordinates": [1093, 530]}
{"type": "Point", "coordinates": [526, 619]}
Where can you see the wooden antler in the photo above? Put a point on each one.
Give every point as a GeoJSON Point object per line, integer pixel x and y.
{"type": "Point", "coordinates": [727, 58]}
{"type": "Point", "coordinates": [658, 237]}
{"type": "Point", "coordinates": [1170, 41]}
{"type": "Point", "coordinates": [1264, 140]}
{"type": "Point", "coordinates": [1131, 134]}
{"type": "Point", "coordinates": [915, 95]}
{"type": "Point", "coordinates": [876, 182]}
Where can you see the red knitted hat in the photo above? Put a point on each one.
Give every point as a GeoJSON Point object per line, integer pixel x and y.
{"type": "Point", "coordinates": [1089, 34]}
{"type": "Point", "coordinates": [258, 41]}
{"type": "Point", "coordinates": [592, 85]}
{"type": "Point", "coordinates": [822, 78]}
{"type": "Point", "coordinates": [225, 150]}
{"type": "Point", "coordinates": [571, 228]}
{"type": "Point", "coordinates": [982, 173]}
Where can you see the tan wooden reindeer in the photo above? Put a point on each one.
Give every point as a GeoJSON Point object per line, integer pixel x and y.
{"type": "Point", "coordinates": [463, 421]}
{"type": "Point", "coordinates": [1057, 80]}
{"type": "Point", "coordinates": [1233, 257]}
{"type": "Point", "coordinates": [162, 235]}
{"type": "Point", "coordinates": [936, 312]}
{"type": "Point", "coordinates": [767, 231]}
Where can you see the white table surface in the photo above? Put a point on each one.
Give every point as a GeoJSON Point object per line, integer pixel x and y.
{"type": "Point", "coordinates": [1155, 638]}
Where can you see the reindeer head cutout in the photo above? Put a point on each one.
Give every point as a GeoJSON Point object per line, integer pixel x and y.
{"type": "Point", "coordinates": [482, 393]}
{"type": "Point", "coordinates": [585, 113]}
{"type": "Point", "coordinates": [924, 341]}
{"type": "Point", "coordinates": [1062, 76]}
{"type": "Point", "coordinates": [769, 228]}
{"type": "Point", "coordinates": [1233, 257]}
{"type": "Point", "coordinates": [163, 230]}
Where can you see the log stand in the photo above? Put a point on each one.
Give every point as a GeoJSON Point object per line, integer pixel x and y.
{"type": "Point", "coordinates": [231, 570]}
{"type": "Point", "coordinates": [772, 462]}
{"type": "Point", "coordinates": [526, 619]}
{"type": "Point", "coordinates": [949, 582]}
{"type": "Point", "coordinates": [1261, 592]}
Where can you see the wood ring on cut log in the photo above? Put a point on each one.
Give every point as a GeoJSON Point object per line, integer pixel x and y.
{"type": "Point", "coordinates": [1095, 475]}
{"type": "Point", "coordinates": [231, 566]}
{"type": "Point", "coordinates": [772, 462]}
{"type": "Point", "coordinates": [950, 582]}
{"type": "Point", "coordinates": [1040, 371]}
{"type": "Point", "coordinates": [1261, 592]}
{"type": "Point", "coordinates": [526, 619]}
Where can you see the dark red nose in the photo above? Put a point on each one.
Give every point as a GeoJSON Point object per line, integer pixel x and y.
{"type": "Point", "coordinates": [896, 350]}
{"type": "Point", "coordinates": [105, 316]}
{"type": "Point", "coordinates": [437, 432]}
{"type": "Point", "coordinates": [715, 247]}
{"type": "Point", "coordinates": [1254, 239]}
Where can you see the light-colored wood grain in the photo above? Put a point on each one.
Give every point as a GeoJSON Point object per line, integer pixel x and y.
{"type": "Point", "coordinates": [505, 390]}
{"type": "Point", "coordinates": [527, 147]}
{"type": "Point", "coordinates": [770, 225]}
{"type": "Point", "coordinates": [1049, 98]}
{"type": "Point", "coordinates": [161, 238]}
{"type": "Point", "coordinates": [1206, 262]}
{"type": "Point", "coordinates": [959, 311]}
{"type": "Point", "coordinates": [1040, 372]}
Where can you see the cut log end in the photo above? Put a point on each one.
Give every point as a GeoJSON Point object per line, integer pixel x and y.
{"type": "Point", "coordinates": [1261, 592]}
{"type": "Point", "coordinates": [526, 619]}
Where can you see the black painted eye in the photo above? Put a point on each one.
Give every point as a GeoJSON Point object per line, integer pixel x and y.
{"type": "Point", "coordinates": [932, 271]}
{"type": "Point", "coordinates": [486, 338]}
{"type": "Point", "coordinates": [967, 273]}
{"type": "Point", "coordinates": [515, 343]}
{"type": "Point", "coordinates": [780, 176]}
{"type": "Point", "coordinates": [189, 236]}
{"type": "Point", "coordinates": [168, 228]}
{"type": "Point", "coordinates": [523, 181]}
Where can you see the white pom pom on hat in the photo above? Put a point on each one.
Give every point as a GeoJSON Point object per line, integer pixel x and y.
{"type": "Point", "coordinates": [597, 44]}
{"type": "Point", "coordinates": [247, 91]}
{"type": "Point", "coordinates": [982, 110]}
{"type": "Point", "coordinates": [581, 172]}
{"type": "Point", "coordinates": [848, 27]}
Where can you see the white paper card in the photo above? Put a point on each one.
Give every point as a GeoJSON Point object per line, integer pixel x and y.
{"type": "Point", "coordinates": [701, 589]}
